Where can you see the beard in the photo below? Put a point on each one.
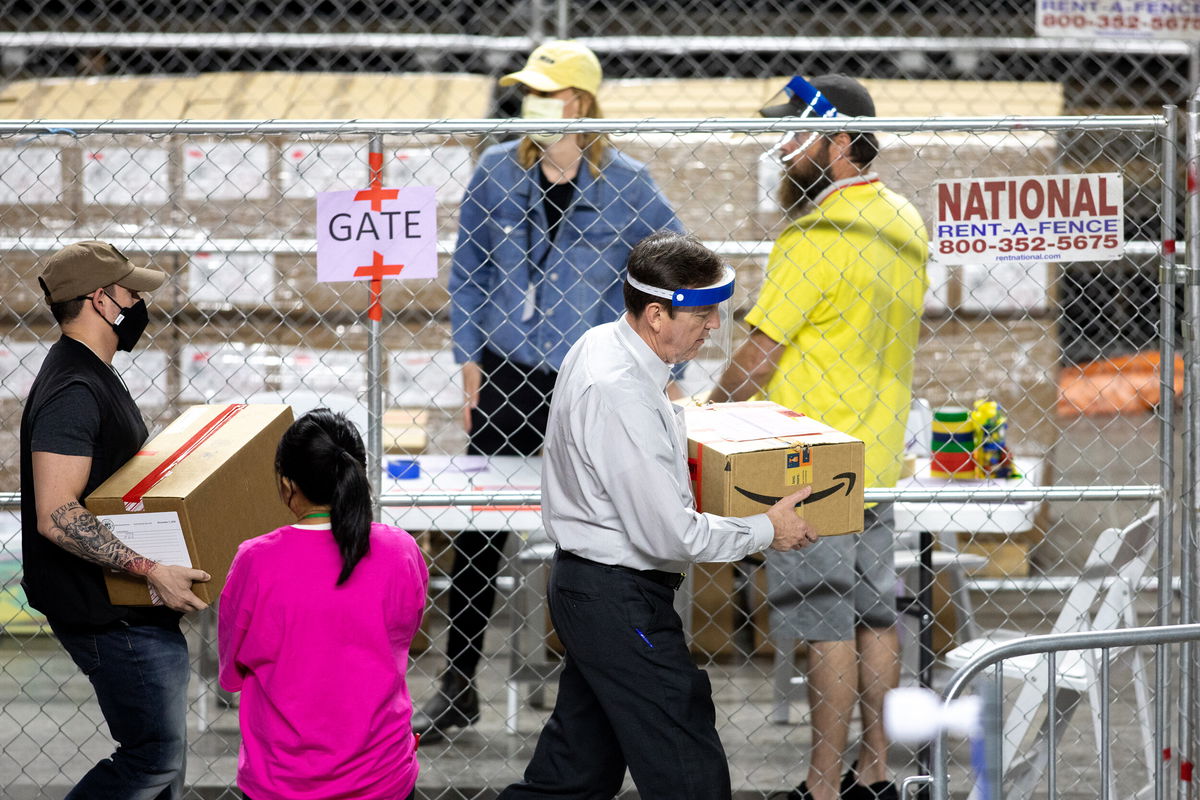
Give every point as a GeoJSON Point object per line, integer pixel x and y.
{"type": "Point", "coordinates": [803, 181]}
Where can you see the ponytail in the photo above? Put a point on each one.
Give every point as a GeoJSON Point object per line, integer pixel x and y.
{"type": "Point", "coordinates": [350, 512]}
{"type": "Point", "coordinates": [323, 455]}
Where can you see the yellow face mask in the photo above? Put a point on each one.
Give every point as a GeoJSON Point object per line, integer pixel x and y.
{"type": "Point", "coordinates": [543, 108]}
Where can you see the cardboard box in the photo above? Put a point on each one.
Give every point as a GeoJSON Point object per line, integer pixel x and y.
{"type": "Point", "coordinates": [730, 615]}
{"type": "Point", "coordinates": [404, 431]}
{"type": "Point", "coordinates": [1007, 557]}
{"type": "Point", "coordinates": [743, 457]}
{"type": "Point", "coordinates": [214, 467]}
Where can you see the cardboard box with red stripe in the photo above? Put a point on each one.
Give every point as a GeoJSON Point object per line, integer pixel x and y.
{"type": "Point", "coordinates": [213, 467]}
{"type": "Point", "coordinates": [744, 457]}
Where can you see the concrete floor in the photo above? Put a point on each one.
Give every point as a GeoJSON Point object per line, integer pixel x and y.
{"type": "Point", "coordinates": [51, 730]}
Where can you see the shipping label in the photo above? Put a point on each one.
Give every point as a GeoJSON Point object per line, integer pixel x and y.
{"type": "Point", "coordinates": [798, 469]}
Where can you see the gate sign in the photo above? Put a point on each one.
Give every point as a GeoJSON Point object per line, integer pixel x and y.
{"type": "Point", "coordinates": [1031, 218]}
{"type": "Point", "coordinates": [1157, 19]}
{"type": "Point", "coordinates": [377, 233]}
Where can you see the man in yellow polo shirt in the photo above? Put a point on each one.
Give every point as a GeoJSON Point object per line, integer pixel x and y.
{"type": "Point", "coordinates": [833, 335]}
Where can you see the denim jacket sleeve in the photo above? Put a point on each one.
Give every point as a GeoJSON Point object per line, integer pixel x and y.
{"type": "Point", "coordinates": [471, 268]}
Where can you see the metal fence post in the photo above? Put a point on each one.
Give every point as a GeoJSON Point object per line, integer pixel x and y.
{"type": "Point", "coordinates": [1190, 489]}
{"type": "Point", "coordinates": [375, 353]}
{"type": "Point", "coordinates": [562, 19]}
{"type": "Point", "coordinates": [1167, 290]}
{"type": "Point", "coordinates": [537, 21]}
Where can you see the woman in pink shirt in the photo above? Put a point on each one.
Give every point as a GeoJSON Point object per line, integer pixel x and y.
{"type": "Point", "coordinates": [315, 624]}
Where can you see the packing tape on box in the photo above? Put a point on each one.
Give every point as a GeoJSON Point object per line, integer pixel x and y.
{"type": "Point", "coordinates": [133, 498]}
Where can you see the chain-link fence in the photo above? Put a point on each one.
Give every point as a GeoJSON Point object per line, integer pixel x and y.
{"type": "Point", "coordinates": [228, 211]}
{"type": "Point", "coordinates": [965, 42]}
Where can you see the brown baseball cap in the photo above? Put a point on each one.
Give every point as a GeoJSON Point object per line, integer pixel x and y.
{"type": "Point", "coordinates": [81, 268]}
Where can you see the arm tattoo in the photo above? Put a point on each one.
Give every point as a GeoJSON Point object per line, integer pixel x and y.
{"type": "Point", "coordinates": [77, 531]}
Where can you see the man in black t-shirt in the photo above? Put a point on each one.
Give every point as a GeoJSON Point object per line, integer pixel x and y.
{"type": "Point", "coordinates": [79, 426]}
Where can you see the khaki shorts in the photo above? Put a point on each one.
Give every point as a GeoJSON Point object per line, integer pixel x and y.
{"type": "Point", "coordinates": [825, 591]}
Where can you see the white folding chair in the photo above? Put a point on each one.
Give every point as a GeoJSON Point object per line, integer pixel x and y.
{"type": "Point", "coordinates": [1102, 599]}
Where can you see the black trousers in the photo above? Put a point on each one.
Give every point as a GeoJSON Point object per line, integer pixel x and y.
{"type": "Point", "coordinates": [629, 696]}
{"type": "Point", "coordinates": [510, 420]}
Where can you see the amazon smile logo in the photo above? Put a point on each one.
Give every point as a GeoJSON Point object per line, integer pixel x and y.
{"type": "Point", "coordinates": [842, 482]}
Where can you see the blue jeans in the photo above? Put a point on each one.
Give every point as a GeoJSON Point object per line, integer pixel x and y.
{"type": "Point", "coordinates": [140, 675]}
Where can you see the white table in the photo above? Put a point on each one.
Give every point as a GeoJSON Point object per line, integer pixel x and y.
{"type": "Point", "coordinates": [441, 474]}
{"type": "Point", "coordinates": [466, 474]}
{"type": "Point", "coordinates": [1006, 518]}
{"type": "Point", "coordinates": [928, 519]}
{"type": "Point", "coordinates": [945, 519]}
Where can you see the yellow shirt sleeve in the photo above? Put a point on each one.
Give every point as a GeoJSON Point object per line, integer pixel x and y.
{"type": "Point", "coordinates": [799, 284]}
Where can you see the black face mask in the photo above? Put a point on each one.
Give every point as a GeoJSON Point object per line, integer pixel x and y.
{"type": "Point", "coordinates": [130, 324]}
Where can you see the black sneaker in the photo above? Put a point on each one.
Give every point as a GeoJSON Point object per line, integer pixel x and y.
{"type": "Point", "coordinates": [849, 782]}
{"type": "Point", "coordinates": [849, 779]}
{"type": "Point", "coordinates": [456, 705]}
{"type": "Point", "coordinates": [799, 793]}
{"type": "Point", "coordinates": [882, 790]}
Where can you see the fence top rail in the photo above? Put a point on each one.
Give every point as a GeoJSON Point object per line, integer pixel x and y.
{"type": "Point", "coordinates": [10, 501]}
{"type": "Point", "coordinates": [1078, 640]}
{"type": "Point", "coordinates": [665, 45]}
{"type": "Point", "coordinates": [191, 240]}
{"type": "Point", "coordinates": [1147, 123]}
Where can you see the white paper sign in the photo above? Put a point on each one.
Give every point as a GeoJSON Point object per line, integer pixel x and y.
{"type": "Point", "coordinates": [937, 298]}
{"type": "Point", "coordinates": [226, 371]}
{"type": "Point", "coordinates": [226, 171]}
{"type": "Point", "coordinates": [448, 169]}
{"type": "Point", "coordinates": [118, 176]}
{"type": "Point", "coordinates": [1029, 218]}
{"type": "Point", "coordinates": [768, 173]}
{"type": "Point", "coordinates": [310, 169]}
{"type": "Point", "coordinates": [226, 279]}
{"type": "Point", "coordinates": [29, 175]}
{"type": "Point", "coordinates": [322, 371]}
{"type": "Point", "coordinates": [425, 378]}
{"type": "Point", "coordinates": [156, 535]}
{"type": "Point", "coordinates": [377, 233]}
{"type": "Point", "coordinates": [1007, 286]}
{"type": "Point", "coordinates": [1158, 19]}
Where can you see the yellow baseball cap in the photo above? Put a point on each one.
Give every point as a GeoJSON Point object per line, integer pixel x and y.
{"type": "Point", "coordinates": [559, 65]}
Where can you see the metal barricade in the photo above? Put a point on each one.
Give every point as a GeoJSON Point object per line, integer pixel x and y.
{"type": "Point", "coordinates": [1050, 646]}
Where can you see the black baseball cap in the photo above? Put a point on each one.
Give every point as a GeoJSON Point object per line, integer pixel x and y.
{"type": "Point", "coordinates": [848, 96]}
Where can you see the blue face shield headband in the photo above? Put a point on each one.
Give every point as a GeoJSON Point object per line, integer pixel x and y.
{"type": "Point", "coordinates": [718, 292]}
{"type": "Point", "coordinates": [806, 101]}
{"type": "Point", "coordinates": [804, 95]}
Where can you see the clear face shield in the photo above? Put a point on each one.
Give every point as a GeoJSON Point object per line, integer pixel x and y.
{"type": "Point", "coordinates": [800, 99]}
{"type": "Point", "coordinates": [717, 350]}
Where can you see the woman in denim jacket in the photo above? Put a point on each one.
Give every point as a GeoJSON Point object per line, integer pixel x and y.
{"type": "Point", "coordinates": [545, 228]}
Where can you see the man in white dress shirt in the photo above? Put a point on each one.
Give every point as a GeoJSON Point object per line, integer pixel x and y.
{"type": "Point", "coordinates": [617, 500]}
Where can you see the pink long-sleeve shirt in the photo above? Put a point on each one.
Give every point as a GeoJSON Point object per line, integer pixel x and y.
{"type": "Point", "coordinates": [325, 709]}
